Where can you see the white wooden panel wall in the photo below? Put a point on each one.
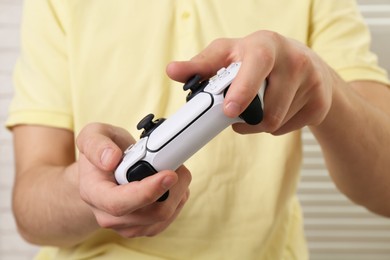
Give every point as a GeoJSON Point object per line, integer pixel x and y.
{"type": "Point", "coordinates": [335, 228]}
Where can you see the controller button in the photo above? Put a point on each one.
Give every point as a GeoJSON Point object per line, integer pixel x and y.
{"type": "Point", "coordinates": [135, 151]}
{"type": "Point", "coordinates": [222, 79]}
{"type": "Point", "coordinates": [140, 171]}
{"type": "Point", "coordinates": [222, 73]}
{"type": "Point", "coordinates": [148, 124]}
{"type": "Point", "coordinates": [128, 150]}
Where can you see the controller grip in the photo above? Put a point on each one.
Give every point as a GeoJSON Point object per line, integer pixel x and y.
{"type": "Point", "coordinates": [141, 170]}
{"type": "Point", "coordinates": [253, 114]}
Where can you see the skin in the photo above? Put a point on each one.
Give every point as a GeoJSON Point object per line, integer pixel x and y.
{"type": "Point", "coordinates": [84, 192]}
{"type": "Point", "coordinates": [92, 199]}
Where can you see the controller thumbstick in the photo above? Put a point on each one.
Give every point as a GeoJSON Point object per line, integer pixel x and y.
{"type": "Point", "coordinates": [148, 124]}
{"type": "Point", "coordinates": [193, 83]}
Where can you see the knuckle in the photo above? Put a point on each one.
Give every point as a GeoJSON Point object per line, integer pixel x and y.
{"type": "Point", "coordinates": [90, 127]}
{"type": "Point", "coordinates": [301, 61]}
{"type": "Point", "coordinates": [271, 35]}
{"type": "Point", "coordinates": [272, 122]}
{"type": "Point", "coordinates": [114, 209]}
{"type": "Point", "coordinates": [84, 141]}
{"type": "Point", "coordinates": [104, 222]}
{"type": "Point", "coordinates": [148, 197]}
{"type": "Point", "coordinates": [264, 54]}
{"type": "Point", "coordinates": [315, 80]}
{"type": "Point", "coordinates": [185, 174]}
{"type": "Point", "coordinates": [217, 46]}
{"type": "Point", "coordinates": [219, 42]}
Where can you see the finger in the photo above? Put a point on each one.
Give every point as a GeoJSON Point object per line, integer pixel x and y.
{"type": "Point", "coordinates": [161, 226]}
{"type": "Point", "coordinates": [281, 95]}
{"type": "Point", "coordinates": [119, 200]}
{"type": "Point", "coordinates": [258, 59]}
{"type": "Point", "coordinates": [153, 228]}
{"type": "Point", "coordinates": [181, 71]}
{"type": "Point", "coordinates": [168, 206]}
{"type": "Point", "coordinates": [309, 115]}
{"type": "Point", "coordinates": [246, 85]}
{"type": "Point", "coordinates": [298, 121]}
{"type": "Point", "coordinates": [153, 214]}
{"type": "Point", "coordinates": [220, 53]}
{"type": "Point", "coordinates": [119, 206]}
{"type": "Point", "coordinates": [160, 211]}
{"type": "Point", "coordinates": [103, 144]}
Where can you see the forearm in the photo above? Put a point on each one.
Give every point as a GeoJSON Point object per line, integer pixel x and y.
{"type": "Point", "coordinates": [355, 141]}
{"type": "Point", "coordinates": [48, 208]}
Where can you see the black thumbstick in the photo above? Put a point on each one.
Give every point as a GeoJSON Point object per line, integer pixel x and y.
{"type": "Point", "coordinates": [148, 124]}
{"type": "Point", "coordinates": [193, 83]}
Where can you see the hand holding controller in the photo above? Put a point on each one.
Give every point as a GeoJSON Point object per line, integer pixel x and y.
{"type": "Point", "coordinates": [167, 144]}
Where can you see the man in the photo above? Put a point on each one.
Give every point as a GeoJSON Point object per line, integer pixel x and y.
{"type": "Point", "coordinates": [84, 62]}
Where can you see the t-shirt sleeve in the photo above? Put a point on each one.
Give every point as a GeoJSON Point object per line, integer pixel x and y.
{"type": "Point", "coordinates": [42, 94]}
{"type": "Point", "coordinates": [341, 37]}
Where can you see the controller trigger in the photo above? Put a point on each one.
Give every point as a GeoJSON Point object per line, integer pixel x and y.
{"type": "Point", "coordinates": [253, 114]}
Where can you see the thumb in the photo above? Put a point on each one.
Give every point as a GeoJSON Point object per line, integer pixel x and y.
{"type": "Point", "coordinates": [102, 144]}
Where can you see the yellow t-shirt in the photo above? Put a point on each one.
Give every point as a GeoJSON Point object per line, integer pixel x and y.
{"type": "Point", "coordinates": [86, 61]}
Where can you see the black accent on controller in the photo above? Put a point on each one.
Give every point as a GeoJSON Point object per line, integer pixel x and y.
{"type": "Point", "coordinates": [186, 127]}
{"type": "Point", "coordinates": [148, 124]}
{"type": "Point", "coordinates": [141, 170]}
{"type": "Point", "coordinates": [195, 85]}
{"type": "Point", "coordinates": [253, 114]}
{"type": "Point", "coordinates": [192, 83]}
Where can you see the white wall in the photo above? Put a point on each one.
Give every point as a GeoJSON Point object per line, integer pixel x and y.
{"type": "Point", "coordinates": [336, 229]}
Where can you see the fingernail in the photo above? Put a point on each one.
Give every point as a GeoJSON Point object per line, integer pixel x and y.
{"type": "Point", "coordinates": [106, 156]}
{"type": "Point", "coordinates": [232, 109]}
{"type": "Point", "coordinates": [167, 182]}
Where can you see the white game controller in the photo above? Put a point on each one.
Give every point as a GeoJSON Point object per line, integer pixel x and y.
{"type": "Point", "coordinates": [167, 144]}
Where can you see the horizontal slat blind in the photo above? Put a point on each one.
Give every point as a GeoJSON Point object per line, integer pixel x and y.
{"type": "Point", "coordinates": [335, 227]}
